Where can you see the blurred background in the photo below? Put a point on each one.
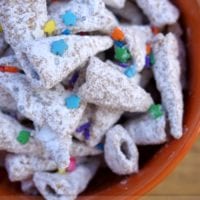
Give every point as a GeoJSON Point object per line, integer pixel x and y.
{"type": "Point", "coordinates": [184, 182]}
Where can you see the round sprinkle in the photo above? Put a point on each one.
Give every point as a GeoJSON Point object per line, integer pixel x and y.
{"type": "Point", "coordinates": [23, 137]}
{"type": "Point", "coordinates": [122, 54]}
{"type": "Point", "coordinates": [156, 111]}
{"type": "Point", "coordinates": [59, 47]}
{"type": "Point", "coordinates": [69, 18]}
{"type": "Point", "coordinates": [117, 34]}
{"type": "Point", "coordinates": [130, 72]}
{"type": "Point", "coordinates": [66, 32]}
{"type": "Point", "coordinates": [50, 27]}
{"type": "Point", "coordinates": [73, 102]}
{"type": "Point", "coordinates": [72, 165]}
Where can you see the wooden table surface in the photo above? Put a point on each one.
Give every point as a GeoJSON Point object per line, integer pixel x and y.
{"type": "Point", "coordinates": [184, 182]}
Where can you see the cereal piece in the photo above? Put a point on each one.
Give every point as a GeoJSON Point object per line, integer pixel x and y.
{"type": "Point", "coordinates": [66, 186]}
{"type": "Point", "coordinates": [121, 153]}
{"type": "Point", "coordinates": [22, 20]}
{"type": "Point", "coordinates": [147, 130]}
{"type": "Point", "coordinates": [20, 167]}
{"type": "Point", "coordinates": [115, 3]}
{"type": "Point", "coordinates": [9, 132]}
{"type": "Point", "coordinates": [28, 187]}
{"type": "Point", "coordinates": [136, 38]}
{"type": "Point", "coordinates": [131, 13]}
{"type": "Point", "coordinates": [178, 32]}
{"type": "Point", "coordinates": [167, 74]}
{"type": "Point", "coordinates": [44, 107]}
{"type": "Point", "coordinates": [136, 79]}
{"type": "Point", "coordinates": [7, 103]}
{"type": "Point", "coordinates": [107, 87]}
{"type": "Point", "coordinates": [159, 12]}
{"type": "Point", "coordinates": [102, 120]}
{"type": "Point", "coordinates": [57, 147]}
{"type": "Point", "coordinates": [52, 69]}
{"type": "Point", "coordinates": [80, 149]}
{"type": "Point", "coordinates": [90, 16]}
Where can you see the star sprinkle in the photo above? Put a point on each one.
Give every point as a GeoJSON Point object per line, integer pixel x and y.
{"type": "Point", "coordinates": [130, 71]}
{"type": "Point", "coordinates": [156, 111]}
{"type": "Point", "coordinates": [59, 47]}
{"type": "Point", "coordinates": [23, 137]}
{"type": "Point", "coordinates": [72, 102]}
{"type": "Point", "coordinates": [117, 34]}
{"type": "Point", "coordinates": [69, 18]}
{"type": "Point", "coordinates": [122, 54]}
{"type": "Point", "coordinates": [50, 27]}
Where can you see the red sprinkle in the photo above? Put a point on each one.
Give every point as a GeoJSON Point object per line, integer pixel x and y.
{"type": "Point", "coordinates": [9, 69]}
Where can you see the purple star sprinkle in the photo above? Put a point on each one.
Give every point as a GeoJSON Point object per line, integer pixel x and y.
{"type": "Point", "coordinates": [83, 127]}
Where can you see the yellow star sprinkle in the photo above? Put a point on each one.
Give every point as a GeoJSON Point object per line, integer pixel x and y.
{"type": "Point", "coordinates": [50, 27]}
{"type": "Point", "coordinates": [1, 29]}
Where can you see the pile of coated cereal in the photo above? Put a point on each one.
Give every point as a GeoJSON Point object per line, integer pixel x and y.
{"type": "Point", "coordinates": [72, 69]}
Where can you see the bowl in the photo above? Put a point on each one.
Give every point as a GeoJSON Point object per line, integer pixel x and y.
{"type": "Point", "coordinates": [109, 186]}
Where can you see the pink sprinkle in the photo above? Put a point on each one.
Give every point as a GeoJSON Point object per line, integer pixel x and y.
{"type": "Point", "coordinates": [72, 165]}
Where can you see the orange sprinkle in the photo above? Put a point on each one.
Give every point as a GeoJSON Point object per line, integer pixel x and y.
{"type": "Point", "coordinates": [155, 30]}
{"type": "Point", "coordinates": [148, 48]}
{"type": "Point", "coordinates": [117, 34]}
{"type": "Point", "coordinates": [9, 69]}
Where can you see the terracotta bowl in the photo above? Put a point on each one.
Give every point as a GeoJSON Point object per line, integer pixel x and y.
{"type": "Point", "coordinates": [166, 158]}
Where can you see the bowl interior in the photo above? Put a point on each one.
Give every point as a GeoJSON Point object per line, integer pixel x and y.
{"type": "Point", "coordinates": [166, 157]}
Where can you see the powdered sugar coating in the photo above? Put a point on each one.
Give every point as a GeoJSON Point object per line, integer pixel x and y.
{"type": "Point", "coordinates": [28, 187]}
{"type": "Point", "coordinates": [9, 131]}
{"type": "Point", "coordinates": [121, 153]}
{"type": "Point", "coordinates": [44, 107]}
{"type": "Point", "coordinates": [66, 186]}
{"type": "Point", "coordinates": [147, 130]}
{"type": "Point", "coordinates": [51, 68]}
{"type": "Point", "coordinates": [115, 3]}
{"type": "Point", "coordinates": [57, 147]}
{"type": "Point", "coordinates": [22, 20]}
{"type": "Point", "coordinates": [167, 75]}
{"type": "Point", "coordinates": [159, 12]}
{"type": "Point", "coordinates": [20, 167]}
{"type": "Point", "coordinates": [107, 87]}
{"type": "Point", "coordinates": [91, 16]}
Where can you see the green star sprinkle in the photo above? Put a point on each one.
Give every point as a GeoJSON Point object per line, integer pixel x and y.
{"type": "Point", "coordinates": [23, 137]}
{"type": "Point", "coordinates": [156, 111]}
